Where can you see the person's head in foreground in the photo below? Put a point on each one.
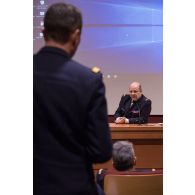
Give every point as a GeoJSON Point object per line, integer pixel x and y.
{"type": "Point", "coordinates": [123, 155]}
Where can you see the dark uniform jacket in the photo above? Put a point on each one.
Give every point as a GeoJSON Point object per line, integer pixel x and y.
{"type": "Point", "coordinates": [137, 112]}
{"type": "Point", "coordinates": [70, 127]}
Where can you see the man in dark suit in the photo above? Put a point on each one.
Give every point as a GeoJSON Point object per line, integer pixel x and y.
{"type": "Point", "coordinates": [134, 108]}
{"type": "Point", "coordinates": [70, 127]}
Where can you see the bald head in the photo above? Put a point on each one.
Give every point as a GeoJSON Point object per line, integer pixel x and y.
{"type": "Point", "coordinates": [135, 90]}
{"type": "Point", "coordinates": [136, 85]}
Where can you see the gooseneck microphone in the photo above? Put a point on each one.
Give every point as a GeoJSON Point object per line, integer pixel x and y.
{"type": "Point", "coordinates": [131, 104]}
{"type": "Point", "coordinates": [139, 117]}
{"type": "Point", "coordinates": [127, 110]}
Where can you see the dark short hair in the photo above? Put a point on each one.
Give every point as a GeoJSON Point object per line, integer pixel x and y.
{"type": "Point", "coordinates": [123, 155]}
{"type": "Point", "coordinates": [60, 20]}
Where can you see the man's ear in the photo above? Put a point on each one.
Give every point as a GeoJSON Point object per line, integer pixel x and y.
{"type": "Point", "coordinates": [76, 37]}
{"type": "Point", "coordinates": [45, 34]}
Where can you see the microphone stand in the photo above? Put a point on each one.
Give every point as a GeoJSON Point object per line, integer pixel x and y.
{"type": "Point", "coordinates": [139, 118]}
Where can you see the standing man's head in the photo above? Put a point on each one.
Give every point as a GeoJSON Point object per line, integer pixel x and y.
{"type": "Point", "coordinates": [123, 155]}
{"type": "Point", "coordinates": [62, 27]}
{"type": "Point", "coordinates": [135, 91]}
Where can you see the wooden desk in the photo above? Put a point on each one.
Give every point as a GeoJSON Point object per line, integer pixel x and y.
{"type": "Point", "coordinates": [147, 140]}
{"type": "Point", "coordinates": [152, 131]}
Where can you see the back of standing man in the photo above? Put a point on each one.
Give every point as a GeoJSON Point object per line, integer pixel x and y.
{"type": "Point", "coordinates": [70, 127]}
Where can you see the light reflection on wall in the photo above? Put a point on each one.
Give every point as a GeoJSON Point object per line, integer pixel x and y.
{"type": "Point", "coordinates": [123, 38]}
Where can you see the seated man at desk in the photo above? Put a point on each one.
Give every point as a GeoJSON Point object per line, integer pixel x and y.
{"type": "Point", "coordinates": [134, 108]}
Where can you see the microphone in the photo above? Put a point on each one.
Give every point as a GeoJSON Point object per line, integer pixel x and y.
{"type": "Point", "coordinates": [127, 110]}
{"type": "Point", "coordinates": [131, 104]}
{"type": "Point", "coordinates": [139, 117]}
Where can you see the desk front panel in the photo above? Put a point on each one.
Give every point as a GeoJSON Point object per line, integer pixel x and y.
{"type": "Point", "coordinates": [147, 140]}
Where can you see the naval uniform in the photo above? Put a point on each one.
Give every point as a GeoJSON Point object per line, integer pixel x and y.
{"type": "Point", "coordinates": [70, 127]}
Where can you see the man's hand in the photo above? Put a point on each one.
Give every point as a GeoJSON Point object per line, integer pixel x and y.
{"type": "Point", "coordinates": [120, 120]}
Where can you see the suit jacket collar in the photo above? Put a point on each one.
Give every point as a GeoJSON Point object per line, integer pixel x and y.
{"type": "Point", "coordinates": [58, 51]}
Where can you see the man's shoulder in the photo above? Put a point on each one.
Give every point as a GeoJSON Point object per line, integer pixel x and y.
{"type": "Point", "coordinates": [84, 70]}
{"type": "Point", "coordinates": [125, 97]}
{"type": "Point", "coordinates": [146, 100]}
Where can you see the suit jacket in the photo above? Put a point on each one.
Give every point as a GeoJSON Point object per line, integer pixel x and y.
{"type": "Point", "coordinates": [70, 127]}
{"type": "Point", "coordinates": [137, 112]}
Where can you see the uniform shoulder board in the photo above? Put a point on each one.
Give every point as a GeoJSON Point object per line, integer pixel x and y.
{"type": "Point", "coordinates": [95, 69]}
